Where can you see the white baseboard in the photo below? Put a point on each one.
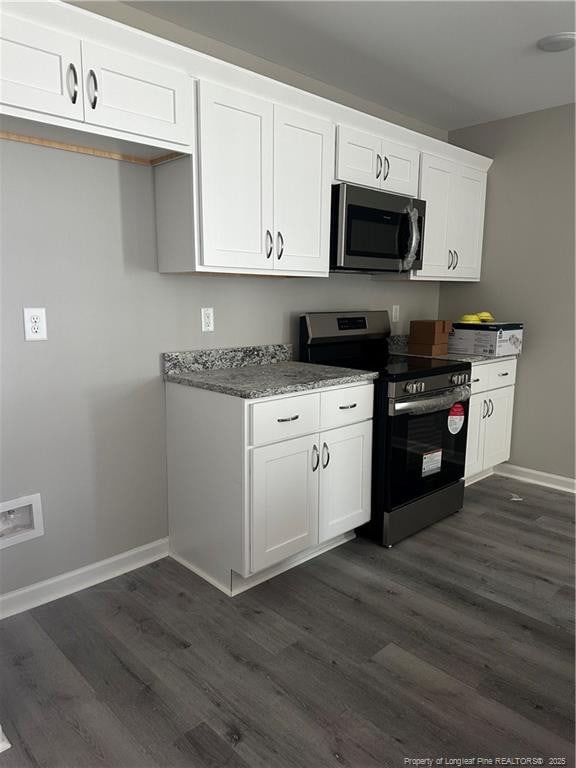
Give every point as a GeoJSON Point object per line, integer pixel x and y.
{"type": "Point", "coordinates": [559, 482]}
{"type": "Point", "coordinates": [239, 584]}
{"type": "Point", "coordinates": [480, 476]}
{"type": "Point", "coordinates": [67, 583]}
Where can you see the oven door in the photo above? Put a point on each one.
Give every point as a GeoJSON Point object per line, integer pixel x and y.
{"type": "Point", "coordinates": [425, 444]}
{"type": "Point", "coordinates": [378, 231]}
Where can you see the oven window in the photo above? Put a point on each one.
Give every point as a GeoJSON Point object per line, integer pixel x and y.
{"type": "Point", "coordinates": [424, 453]}
{"type": "Point", "coordinates": [372, 232]}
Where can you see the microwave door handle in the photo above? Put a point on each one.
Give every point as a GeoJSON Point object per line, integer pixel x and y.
{"type": "Point", "coordinates": [410, 257]}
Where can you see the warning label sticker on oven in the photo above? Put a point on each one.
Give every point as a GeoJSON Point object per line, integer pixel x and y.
{"type": "Point", "coordinates": [455, 418]}
{"type": "Point", "coordinates": [431, 462]}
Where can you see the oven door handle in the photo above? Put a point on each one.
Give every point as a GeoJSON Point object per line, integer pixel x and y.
{"type": "Point", "coordinates": [429, 404]}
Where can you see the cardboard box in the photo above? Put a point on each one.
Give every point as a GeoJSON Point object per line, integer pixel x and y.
{"type": "Point", "coordinates": [492, 339]}
{"type": "Point", "coordinates": [427, 349]}
{"type": "Point", "coordinates": [429, 331]}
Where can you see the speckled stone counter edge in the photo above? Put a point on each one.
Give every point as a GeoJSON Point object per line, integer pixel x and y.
{"type": "Point", "coordinates": [269, 389]}
{"type": "Point", "coordinates": [227, 357]}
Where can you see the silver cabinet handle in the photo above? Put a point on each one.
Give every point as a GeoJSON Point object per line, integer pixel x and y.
{"type": "Point", "coordinates": [269, 244]}
{"type": "Point", "coordinates": [504, 374]}
{"type": "Point", "coordinates": [491, 411]}
{"type": "Point", "coordinates": [315, 458]}
{"type": "Point", "coordinates": [450, 259]}
{"type": "Point", "coordinates": [457, 259]}
{"type": "Point", "coordinates": [288, 418]}
{"type": "Point", "coordinates": [347, 407]}
{"type": "Point", "coordinates": [72, 83]}
{"type": "Point", "coordinates": [325, 456]}
{"type": "Point", "coordinates": [378, 165]}
{"type": "Point", "coordinates": [280, 245]}
{"type": "Point", "coordinates": [484, 409]}
{"type": "Point", "coordinates": [92, 88]}
{"type": "Point", "coordinates": [387, 168]}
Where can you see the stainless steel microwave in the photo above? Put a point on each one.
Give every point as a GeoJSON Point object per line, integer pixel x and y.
{"type": "Point", "coordinates": [375, 231]}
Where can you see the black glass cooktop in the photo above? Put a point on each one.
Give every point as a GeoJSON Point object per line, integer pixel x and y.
{"type": "Point", "coordinates": [402, 367]}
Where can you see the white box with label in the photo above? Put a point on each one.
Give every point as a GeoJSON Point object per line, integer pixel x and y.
{"type": "Point", "coordinates": [494, 339]}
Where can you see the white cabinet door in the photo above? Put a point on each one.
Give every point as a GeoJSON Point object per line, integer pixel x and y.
{"type": "Point", "coordinates": [466, 222]}
{"type": "Point", "coordinates": [475, 439]}
{"type": "Point", "coordinates": [358, 157]}
{"type": "Point", "coordinates": [345, 479]}
{"type": "Point", "coordinates": [284, 500]}
{"type": "Point", "coordinates": [236, 175]}
{"type": "Point", "coordinates": [498, 426]}
{"type": "Point", "coordinates": [436, 188]}
{"type": "Point", "coordinates": [40, 69]}
{"type": "Point", "coordinates": [303, 154]}
{"type": "Point", "coordinates": [137, 95]}
{"type": "Point", "coordinates": [400, 168]}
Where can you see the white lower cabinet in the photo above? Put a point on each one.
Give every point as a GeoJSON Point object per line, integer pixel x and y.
{"type": "Point", "coordinates": [490, 417]}
{"type": "Point", "coordinates": [345, 479]}
{"type": "Point", "coordinates": [284, 500]}
{"type": "Point", "coordinates": [256, 486]}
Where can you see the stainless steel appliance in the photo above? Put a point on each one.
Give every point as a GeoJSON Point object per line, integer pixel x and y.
{"type": "Point", "coordinates": [375, 231]}
{"type": "Point", "coordinates": [420, 420]}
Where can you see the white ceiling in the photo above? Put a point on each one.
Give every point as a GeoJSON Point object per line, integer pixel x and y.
{"type": "Point", "coordinates": [449, 63]}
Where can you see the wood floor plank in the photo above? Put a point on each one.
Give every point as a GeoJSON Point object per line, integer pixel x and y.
{"type": "Point", "coordinates": [54, 710]}
{"type": "Point", "coordinates": [129, 689]}
{"type": "Point", "coordinates": [458, 641]}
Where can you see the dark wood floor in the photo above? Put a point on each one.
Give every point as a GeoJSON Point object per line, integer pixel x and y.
{"type": "Point", "coordinates": [458, 642]}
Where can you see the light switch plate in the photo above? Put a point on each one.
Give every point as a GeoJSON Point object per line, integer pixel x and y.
{"type": "Point", "coordinates": [35, 324]}
{"type": "Point", "coordinates": [395, 313]}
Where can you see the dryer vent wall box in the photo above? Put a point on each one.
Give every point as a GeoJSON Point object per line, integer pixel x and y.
{"type": "Point", "coordinates": [20, 519]}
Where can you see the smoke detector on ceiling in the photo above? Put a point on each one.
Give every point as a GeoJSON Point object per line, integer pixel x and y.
{"type": "Point", "coordinates": [562, 41]}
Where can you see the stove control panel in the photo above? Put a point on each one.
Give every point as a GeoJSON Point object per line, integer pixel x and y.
{"type": "Point", "coordinates": [415, 387]}
{"type": "Point", "coordinates": [459, 378]}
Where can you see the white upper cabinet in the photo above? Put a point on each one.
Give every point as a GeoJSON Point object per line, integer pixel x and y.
{"type": "Point", "coordinates": [466, 225]}
{"type": "Point", "coordinates": [49, 73]}
{"type": "Point", "coordinates": [265, 185]}
{"type": "Point", "coordinates": [455, 197]}
{"type": "Point", "coordinates": [131, 94]}
{"type": "Point", "coordinates": [302, 185]}
{"type": "Point", "coordinates": [40, 69]}
{"type": "Point", "coordinates": [400, 168]}
{"type": "Point", "coordinates": [372, 161]}
{"type": "Point", "coordinates": [437, 182]}
{"type": "Point", "coordinates": [357, 156]}
{"type": "Point", "coordinates": [236, 179]}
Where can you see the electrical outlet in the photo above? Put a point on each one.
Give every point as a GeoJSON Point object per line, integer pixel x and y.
{"type": "Point", "coordinates": [207, 314]}
{"type": "Point", "coordinates": [395, 313]}
{"type": "Point", "coordinates": [35, 324]}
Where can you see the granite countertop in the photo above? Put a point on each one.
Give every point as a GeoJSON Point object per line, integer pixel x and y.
{"type": "Point", "coordinates": [254, 372]}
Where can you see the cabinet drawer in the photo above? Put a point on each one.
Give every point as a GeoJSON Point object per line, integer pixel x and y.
{"type": "Point", "coordinates": [346, 406]}
{"type": "Point", "coordinates": [480, 378]}
{"type": "Point", "coordinates": [280, 419]}
{"type": "Point", "coordinates": [502, 374]}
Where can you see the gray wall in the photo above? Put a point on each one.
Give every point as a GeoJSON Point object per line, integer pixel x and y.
{"type": "Point", "coordinates": [528, 273]}
{"type": "Point", "coordinates": [83, 413]}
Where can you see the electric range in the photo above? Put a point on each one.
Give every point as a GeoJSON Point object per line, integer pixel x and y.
{"type": "Point", "coordinates": [420, 420]}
